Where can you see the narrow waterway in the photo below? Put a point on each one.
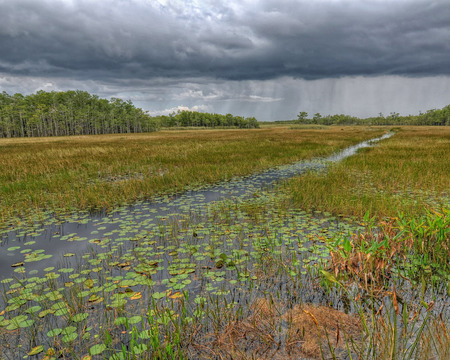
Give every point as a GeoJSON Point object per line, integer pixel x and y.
{"type": "Point", "coordinates": [222, 249]}
{"type": "Point", "coordinates": [50, 243]}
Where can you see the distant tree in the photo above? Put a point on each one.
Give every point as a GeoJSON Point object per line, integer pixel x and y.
{"type": "Point", "coordinates": [316, 118]}
{"type": "Point", "coordinates": [394, 118]}
{"type": "Point", "coordinates": [302, 116]}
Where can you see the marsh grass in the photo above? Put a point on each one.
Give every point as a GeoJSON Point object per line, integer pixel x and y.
{"type": "Point", "coordinates": [311, 127]}
{"type": "Point", "coordinates": [407, 173]}
{"type": "Point", "coordinates": [401, 331]}
{"type": "Point", "coordinates": [100, 172]}
{"type": "Point", "coordinates": [416, 249]}
{"type": "Point", "coordinates": [249, 278]}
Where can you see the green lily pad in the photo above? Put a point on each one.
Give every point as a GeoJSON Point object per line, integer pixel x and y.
{"type": "Point", "coordinates": [158, 295]}
{"type": "Point", "coordinates": [12, 248]}
{"type": "Point", "coordinates": [135, 319]}
{"type": "Point", "coordinates": [80, 317]}
{"type": "Point", "coordinates": [69, 338]}
{"type": "Point", "coordinates": [97, 349]}
{"type": "Point", "coordinates": [54, 332]}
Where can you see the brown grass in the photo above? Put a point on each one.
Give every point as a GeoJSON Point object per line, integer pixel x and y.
{"type": "Point", "coordinates": [272, 332]}
{"type": "Point", "coordinates": [437, 340]}
{"type": "Point", "coordinates": [317, 324]}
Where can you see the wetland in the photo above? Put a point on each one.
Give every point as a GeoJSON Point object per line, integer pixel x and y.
{"type": "Point", "coordinates": [227, 245]}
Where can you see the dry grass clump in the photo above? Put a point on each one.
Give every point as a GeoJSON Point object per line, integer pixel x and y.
{"type": "Point", "coordinates": [271, 331]}
{"type": "Point", "coordinates": [318, 330]}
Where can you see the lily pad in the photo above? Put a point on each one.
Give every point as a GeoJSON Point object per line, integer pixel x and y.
{"type": "Point", "coordinates": [36, 350]}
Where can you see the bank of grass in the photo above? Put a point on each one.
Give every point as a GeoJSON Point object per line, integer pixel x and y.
{"type": "Point", "coordinates": [96, 172]}
{"type": "Point", "coordinates": [408, 173]}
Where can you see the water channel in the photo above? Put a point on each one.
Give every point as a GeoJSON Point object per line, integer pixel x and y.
{"type": "Point", "coordinates": [211, 244]}
{"type": "Point", "coordinates": [46, 245]}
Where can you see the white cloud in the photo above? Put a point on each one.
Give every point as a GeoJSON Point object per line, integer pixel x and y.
{"type": "Point", "coordinates": [199, 108]}
{"type": "Point", "coordinates": [262, 98]}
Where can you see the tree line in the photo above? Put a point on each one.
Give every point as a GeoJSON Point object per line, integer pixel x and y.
{"type": "Point", "coordinates": [203, 119]}
{"type": "Point", "coordinates": [77, 112]}
{"type": "Point", "coordinates": [68, 113]}
{"type": "Point", "coordinates": [435, 117]}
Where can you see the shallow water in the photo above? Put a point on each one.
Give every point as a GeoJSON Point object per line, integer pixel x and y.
{"type": "Point", "coordinates": [223, 247]}
{"type": "Point", "coordinates": [46, 245]}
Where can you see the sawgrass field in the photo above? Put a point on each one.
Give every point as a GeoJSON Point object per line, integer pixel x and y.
{"type": "Point", "coordinates": [82, 172]}
{"type": "Point", "coordinates": [168, 246]}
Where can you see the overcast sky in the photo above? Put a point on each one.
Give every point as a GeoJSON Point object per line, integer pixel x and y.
{"type": "Point", "coordinates": [269, 58]}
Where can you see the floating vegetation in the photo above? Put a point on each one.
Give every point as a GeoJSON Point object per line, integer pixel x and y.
{"type": "Point", "coordinates": [81, 226]}
{"type": "Point", "coordinates": [139, 264]}
{"type": "Point", "coordinates": [230, 271]}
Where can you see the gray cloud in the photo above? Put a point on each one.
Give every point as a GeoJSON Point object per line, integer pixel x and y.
{"type": "Point", "coordinates": [267, 58]}
{"type": "Point", "coordinates": [229, 40]}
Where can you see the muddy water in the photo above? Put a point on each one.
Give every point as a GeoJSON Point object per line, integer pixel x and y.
{"type": "Point", "coordinates": [47, 245]}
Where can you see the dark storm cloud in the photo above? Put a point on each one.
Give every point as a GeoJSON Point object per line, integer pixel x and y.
{"type": "Point", "coordinates": [229, 40]}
